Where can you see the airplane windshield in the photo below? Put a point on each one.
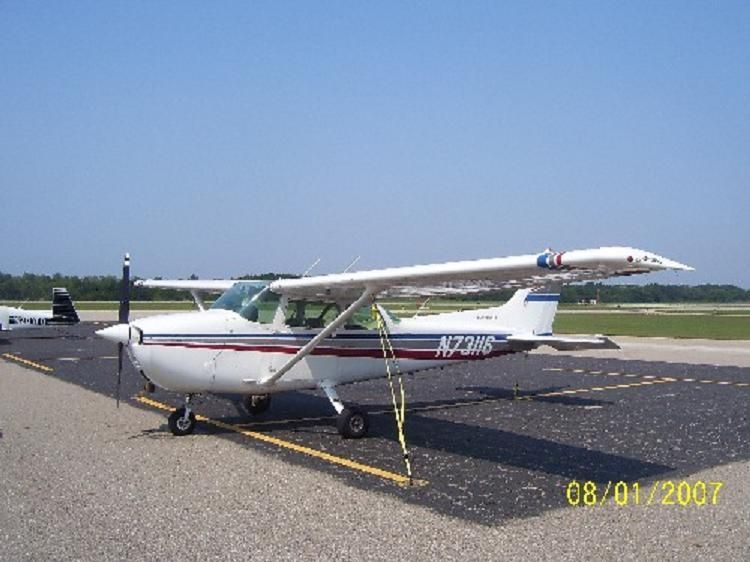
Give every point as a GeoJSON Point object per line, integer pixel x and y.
{"type": "Point", "coordinates": [239, 295]}
{"type": "Point", "coordinates": [250, 299]}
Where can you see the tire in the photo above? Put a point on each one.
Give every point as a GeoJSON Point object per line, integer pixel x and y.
{"type": "Point", "coordinates": [256, 404]}
{"type": "Point", "coordinates": [353, 423]}
{"type": "Point", "coordinates": [178, 426]}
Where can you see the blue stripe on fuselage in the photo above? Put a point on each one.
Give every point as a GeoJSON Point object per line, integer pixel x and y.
{"type": "Point", "coordinates": [542, 297]}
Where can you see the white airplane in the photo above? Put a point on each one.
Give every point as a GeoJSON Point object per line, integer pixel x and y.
{"type": "Point", "coordinates": [264, 337]}
{"type": "Point", "coordinates": [63, 313]}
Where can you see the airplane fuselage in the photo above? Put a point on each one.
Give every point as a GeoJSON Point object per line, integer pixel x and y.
{"type": "Point", "coordinates": [219, 351]}
{"type": "Point", "coordinates": [12, 318]}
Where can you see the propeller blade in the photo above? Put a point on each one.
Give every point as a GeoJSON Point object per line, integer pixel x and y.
{"type": "Point", "coordinates": [123, 318]}
{"type": "Point", "coordinates": [125, 291]}
{"type": "Point", "coordinates": [119, 373]}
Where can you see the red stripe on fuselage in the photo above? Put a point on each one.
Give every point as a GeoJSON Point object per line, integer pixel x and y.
{"type": "Point", "coordinates": [418, 354]}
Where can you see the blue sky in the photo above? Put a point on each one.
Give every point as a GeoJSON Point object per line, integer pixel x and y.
{"type": "Point", "coordinates": [221, 138]}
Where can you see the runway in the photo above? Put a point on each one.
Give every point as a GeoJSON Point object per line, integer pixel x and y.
{"type": "Point", "coordinates": [493, 465]}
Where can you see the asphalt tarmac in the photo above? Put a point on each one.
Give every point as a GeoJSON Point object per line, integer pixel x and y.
{"type": "Point", "coordinates": [496, 445]}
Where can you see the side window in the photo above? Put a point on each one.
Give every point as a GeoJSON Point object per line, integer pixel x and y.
{"type": "Point", "coordinates": [362, 320]}
{"type": "Point", "coordinates": [310, 314]}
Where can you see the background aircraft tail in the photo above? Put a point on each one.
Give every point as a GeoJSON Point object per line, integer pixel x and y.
{"type": "Point", "coordinates": [63, 309]}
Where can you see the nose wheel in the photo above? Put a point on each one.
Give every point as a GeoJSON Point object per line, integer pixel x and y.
{"type": "Point", "coordinates": [182, 420]}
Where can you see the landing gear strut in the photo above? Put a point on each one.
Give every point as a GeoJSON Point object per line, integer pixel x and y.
{"type": "Point", "coordinates": [352, 422]}
{"type": "Point", "coordinates": [182, 420]}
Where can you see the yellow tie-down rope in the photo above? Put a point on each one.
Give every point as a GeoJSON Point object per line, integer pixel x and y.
{"type": "Point", "coordinates": [398, 410]}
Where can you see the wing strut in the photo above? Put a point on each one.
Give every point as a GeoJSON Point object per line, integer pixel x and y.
{"type": "Point", "coordinates": [313, 343]}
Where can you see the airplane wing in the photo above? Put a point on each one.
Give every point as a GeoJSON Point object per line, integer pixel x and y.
{"type": "Point", "coordinates": [195, 286]}
{"type": "Point", "coordinates": [208, 285]}
{"type": "Point", "coordinates": [478, 276]}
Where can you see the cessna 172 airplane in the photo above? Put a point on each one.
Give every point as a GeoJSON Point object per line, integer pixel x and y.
{"type": "Point", "coordinates": [63, 313]}
{"type": "Point", "coordinates": [264, 337]}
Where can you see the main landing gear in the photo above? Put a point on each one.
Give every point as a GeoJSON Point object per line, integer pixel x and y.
{"type": "Point", "coordinates": [182, 420]}
{"type": "Point", "coordinates": [352, 422]}
{"type": "Point", "coordinates": [256, 404]}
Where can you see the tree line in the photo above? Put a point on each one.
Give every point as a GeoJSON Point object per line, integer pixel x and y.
{"type": "Point", "coordinates": [31, 286]}
{"type": "Point", "coordinates": [35, 287]}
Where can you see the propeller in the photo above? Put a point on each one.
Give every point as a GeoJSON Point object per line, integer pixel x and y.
{"type": "Point", "coordinates": [124, 318]}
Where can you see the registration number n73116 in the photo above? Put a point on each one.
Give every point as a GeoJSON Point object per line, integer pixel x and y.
{"type": "Point", "coordinates": [464, 345]}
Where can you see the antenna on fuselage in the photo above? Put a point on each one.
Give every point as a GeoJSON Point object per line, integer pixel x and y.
{"type": "Point", "coordinates": [354, 262]}
{"type": "Point", "coordinates": [423, 306]}
{"type": "Point", "coordinates": [309, 269]}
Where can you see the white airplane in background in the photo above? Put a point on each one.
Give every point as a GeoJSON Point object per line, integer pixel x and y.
{"type": "Point", "coordinates": [263, 337]}
{"type": "Point", "coordinates": [63, 313]}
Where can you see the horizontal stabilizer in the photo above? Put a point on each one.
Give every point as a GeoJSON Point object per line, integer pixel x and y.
{"type": "Point", "coordinates": [562, 343]}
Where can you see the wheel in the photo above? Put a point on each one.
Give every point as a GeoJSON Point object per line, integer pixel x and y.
{"type": "Point", "coordinates": [256, 404]}
{"type": "Point", "coordinates": [353, 423]}
{"type": "Point", "coordinates": [180, 426]}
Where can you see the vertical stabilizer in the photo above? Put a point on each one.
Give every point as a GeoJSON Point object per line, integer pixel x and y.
{"type": "Point", "coordinates": [529, 312]}
{"type": "Point", "coordinates": [63, 309]}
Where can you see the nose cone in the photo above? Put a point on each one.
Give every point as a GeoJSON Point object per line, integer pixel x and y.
{"type": "Point", "coordinates": [119, 333]}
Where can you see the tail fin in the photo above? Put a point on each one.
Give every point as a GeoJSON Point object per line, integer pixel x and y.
{"type": "Point", "coordinates": [529, 312]}
{"type": "Point", "coordinates": [63, 309]}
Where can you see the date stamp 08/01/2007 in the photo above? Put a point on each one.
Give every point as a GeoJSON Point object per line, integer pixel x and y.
{"type": "Point", "coordinates": [681, 493]}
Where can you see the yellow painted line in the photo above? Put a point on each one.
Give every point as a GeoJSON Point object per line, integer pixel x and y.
{"type": "Point", "coordinates": [28, 363]}
{"type": "Point", "coordinates": [650, 379]}
{"type": "Point", "coordinates": [333, 459]}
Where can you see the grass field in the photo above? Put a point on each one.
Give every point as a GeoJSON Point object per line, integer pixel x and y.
{"type": "Point", "coordinates": [710, 321]}
{"type": "Point", "coordinates": [707, 326]}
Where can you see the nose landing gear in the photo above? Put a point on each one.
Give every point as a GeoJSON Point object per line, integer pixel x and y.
{"type": "Point", "coordinates": [182, 420]}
